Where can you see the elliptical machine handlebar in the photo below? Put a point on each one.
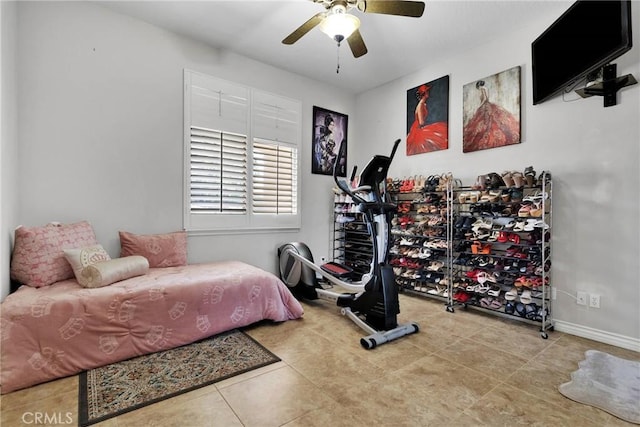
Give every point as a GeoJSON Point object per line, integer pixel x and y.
{"type": "Point", "coordinates": [393, 151]}
{"type": "Point", "coordinates": [344, 185]}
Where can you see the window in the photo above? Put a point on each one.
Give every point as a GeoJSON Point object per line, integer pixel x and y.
{"type": "Point", "coordinates": [241, 157]}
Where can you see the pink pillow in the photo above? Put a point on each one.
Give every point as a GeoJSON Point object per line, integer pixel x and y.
{"type": "Point", "coordinates": [161, 250]}
{"type": "Point", "coordinates": [38, 253]}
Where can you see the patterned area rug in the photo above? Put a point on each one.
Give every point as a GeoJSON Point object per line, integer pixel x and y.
{"type": "Point", "coordinates": [608, 383]}
{"type": "Point", "coordinates": [121, 387]}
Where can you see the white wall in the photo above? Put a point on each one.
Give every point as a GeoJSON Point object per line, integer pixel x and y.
{"type": "Point", "coordinates": [592, 152]}
{"type": "Point", "coordinates": [9, 140]}
{"type": "Point", "coordinates": [101, 110]}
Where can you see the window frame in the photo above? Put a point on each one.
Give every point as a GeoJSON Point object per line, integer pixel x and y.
{"type": "Point", "coordinates": [288, 135]}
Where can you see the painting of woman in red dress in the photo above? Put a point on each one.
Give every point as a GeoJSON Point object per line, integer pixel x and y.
{"type": "Point", "coordinates": [494, 122]}
{"type": "Point", "coordinates": [427, 117]}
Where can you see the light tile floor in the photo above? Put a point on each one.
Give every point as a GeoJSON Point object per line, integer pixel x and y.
{"type": "Point", "coordinates": [461, 369]}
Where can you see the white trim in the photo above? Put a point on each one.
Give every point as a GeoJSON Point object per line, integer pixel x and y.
{"type": "Point", "coordinates": [597, 335]}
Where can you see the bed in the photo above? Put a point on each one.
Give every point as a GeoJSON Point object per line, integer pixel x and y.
{"type": "Point", "coordinates": [63, 328]}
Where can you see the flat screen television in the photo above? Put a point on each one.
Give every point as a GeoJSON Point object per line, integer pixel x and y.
{"type": "Point", "coordinates": [587, 36]}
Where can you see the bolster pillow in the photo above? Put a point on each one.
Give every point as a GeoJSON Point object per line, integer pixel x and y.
{"type": "Point", "coordinates": [107, 272]}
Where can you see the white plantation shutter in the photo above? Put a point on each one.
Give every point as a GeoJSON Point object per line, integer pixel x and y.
{"type": "Point", "coordinates": [241, 157]}
{"type": "Point", "coordinates": [275, 176]}
{"type": "Point", "coordinates": [218, 104]}
{"type": "Point", "coordinates": [275, 118]}
{"type": "Point", "coordinates": [218, 172]}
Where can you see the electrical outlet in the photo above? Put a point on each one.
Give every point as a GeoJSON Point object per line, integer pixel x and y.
{"type": "Point", "coordinates": [554, 293]}
{"type": "Point", "coordinates": [581, 298]}
{"type": "Point", "coordinates": [594, 301]}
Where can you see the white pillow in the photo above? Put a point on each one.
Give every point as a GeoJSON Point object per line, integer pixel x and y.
{"type": "Point", "coordinates": [81, 258]}
{"type": "Point", "coordinates": [93, 267]}
{"type": "Point", "coordinates": [107, 272]}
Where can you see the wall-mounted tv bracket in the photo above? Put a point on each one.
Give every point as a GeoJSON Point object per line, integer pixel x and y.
{"type": "Point", "coordinates": [609, 86]}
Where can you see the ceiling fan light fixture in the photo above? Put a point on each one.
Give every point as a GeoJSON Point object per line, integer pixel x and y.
{"type": "Point", "coordinates": [339, 26]}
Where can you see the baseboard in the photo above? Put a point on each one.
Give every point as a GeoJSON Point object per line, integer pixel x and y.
{"type": "Point", "coordinates": [597, 335]}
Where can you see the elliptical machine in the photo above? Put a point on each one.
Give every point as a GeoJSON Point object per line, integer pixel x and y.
{"type": "Point", "coordinates": [371, 302]}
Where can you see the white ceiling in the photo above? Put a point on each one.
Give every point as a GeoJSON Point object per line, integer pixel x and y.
{"type": "Point", "coordinates": [397, 45]}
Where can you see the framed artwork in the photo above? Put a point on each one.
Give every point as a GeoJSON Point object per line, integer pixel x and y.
{"type": "Point", "coordinates": [491, 111]}
{"type": "Point", "coordinates": [428, 117]}
{"type": "Point", "coordinates": [329, 136]}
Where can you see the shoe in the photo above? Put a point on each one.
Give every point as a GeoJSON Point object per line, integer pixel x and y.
{"type": "Point", "coordinates": [525, 298]}
{"type": "Point", "coordinates": [482, 224]}
{"type": "Point", "coordinates": [344, 219]}
{"type": "Point", "coordinates": [483, 277]}
{"type": "Point", "coordinates": [522, 282]}
{"type": "Point", "coordinates": [461, 296]}
{"type": "Point", "coordinates": [540, 314]}
{"type": "Point", "coordinates": [480, 183]}
{"type": "Point", "coordinates": [536, 210]}
{"type": "Point", "coordinates": [524, 210]}
{"type": "Point", "coordinates": [541, 224]}
{"type": "Point", "coordinates": [518, 179]}
{"type": "Point", "coordinates": [495, 181]}
{"type": "Point", "coordinates": [496, 304]}
{"type": "Point", "coordinates": [435, 291]}
{"type": "Point", "coordinates": [435, 266]}
{"type": "Point", "coordinates": [473, 197]}
{"type": "Point", "coordinates": [514, 238]}
{"type": "Point", "coordinates": [516, 194]}
{"type": "Point", "coordinates": [508, 179]}
{"type": "Point", "coordinates": [530, 176]}
{"type": "Point", "coordinates": [511, 294]}
{"type": "Point", "coordinates": [405, 242]}
{"type": "Point", "coordinates": [530, 311]}
{"type": "Point", "coordinates": [519, 225]}
{"type": "Point", "coordinates": [424, 253]}
{"type": "Point", "coordinates": [485, 261]}
{"type": "Point", "coordinates": [486, 302]}
{"type": "Point", "coordinates": [494, 292]}
{"type": "Point", "coordinates": [468, 222]}
{"type": "Point", "coordinates": [530, 225]}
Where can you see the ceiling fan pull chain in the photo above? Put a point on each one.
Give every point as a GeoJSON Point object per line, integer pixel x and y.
{"type": "Point", "coordinates": [338, 59]}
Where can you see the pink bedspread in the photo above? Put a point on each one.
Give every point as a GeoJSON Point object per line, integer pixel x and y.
{"type": "Point", "coordinates": [63, 329]}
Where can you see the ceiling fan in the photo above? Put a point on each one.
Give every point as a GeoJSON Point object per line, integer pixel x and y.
{"type": "Point", "coordinates": [338, 24]}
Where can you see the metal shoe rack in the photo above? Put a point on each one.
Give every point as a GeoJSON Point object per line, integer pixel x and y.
{"type": "Point", "coordinates": [501, 251]}
{"type": "Point", "coordinates": [352, 244]}
{"type": "Point", "coordinates": [422, 230]}
{"type": "Point", "coordinates": [494, 244]}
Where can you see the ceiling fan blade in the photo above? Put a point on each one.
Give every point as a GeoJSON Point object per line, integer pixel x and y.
{"type": "Point", "coordinates": [413, 9]}
{"type": "Point", "coordinates": [358, 48]}
{"type": "Point", "coordinates": [304, 28]}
